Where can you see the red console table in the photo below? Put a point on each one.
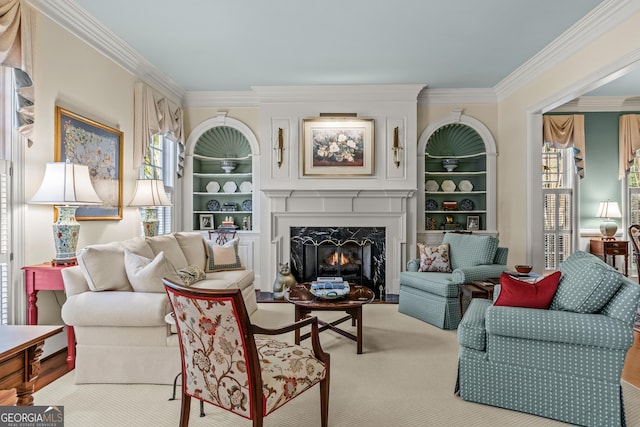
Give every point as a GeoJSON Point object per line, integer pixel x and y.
{"type": "Point", "coordinates": [47, 277]}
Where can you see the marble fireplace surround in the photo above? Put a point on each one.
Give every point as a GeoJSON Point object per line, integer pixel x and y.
{"type": "Point", "coordinates": [340, 208]}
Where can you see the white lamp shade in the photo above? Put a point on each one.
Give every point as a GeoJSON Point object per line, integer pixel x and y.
{"type": "Point", "coordinates": [609, 210]}
{"type": "Point", "coordinates": [149, 192]}
{"type": "Point", "coordinates": [66, 184]}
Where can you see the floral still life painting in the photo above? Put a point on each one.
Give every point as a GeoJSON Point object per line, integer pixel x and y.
{"type": "Point", "coordinates": [338, 147]}
{"type": "Point", "coordinates": [86, 142]}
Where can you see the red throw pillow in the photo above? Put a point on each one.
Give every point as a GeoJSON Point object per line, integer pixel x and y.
{"type": "Point", "coordinates": [517, 293]}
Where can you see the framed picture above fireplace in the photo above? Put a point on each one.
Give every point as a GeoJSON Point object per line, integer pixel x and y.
{"type": "Point", "coordinates": [337, 146]}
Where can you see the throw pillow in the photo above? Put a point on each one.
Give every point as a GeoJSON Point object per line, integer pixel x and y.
{"type": "Point", "coordinates": [145, 275]}
{"type": "Point", "coordinates": [222, 257]}
{"type": "Point", "coordinates": [434, 258]}
{"type": "Point", "coordinates": [103, 267]}
{"type": "Point", "coordinates": [587, 284]}
{"type": "Point", "coordinates": [191, 274]}
{"type": "Point", "coordinates": [518, 293]}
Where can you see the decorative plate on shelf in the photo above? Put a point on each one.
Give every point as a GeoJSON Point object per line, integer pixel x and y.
{"type": "Point", "coordinates": [247, 205]}
{"type": "Point", "coordinates": [213, 187]}
{"type": "Point", "coordinates": [466, 205]}
{"type": "Point", "coordinates": [465, 185]}
{"type": "Point", "coordinates": [213, 205]}
{"type": "Point", "coordinates": [246, 187]}
{"type": "Point", "coordinates": [431, 205]}
{"type": "Point", "coordinates": [230, 187]}
{"type": "Point", "coordinates": [448, 186]}
{"type": "Point", "coordinates": [431, 185]}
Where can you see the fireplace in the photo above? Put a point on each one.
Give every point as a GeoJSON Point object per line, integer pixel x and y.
{"type": "Point", "coordinates": [355, 253]}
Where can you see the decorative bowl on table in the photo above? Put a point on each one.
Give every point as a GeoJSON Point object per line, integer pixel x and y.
{"type": "Point", "coordinates": [449, 164]}
{"type": "Point", "coordinates": [523, 269]}
{"type": "Point", "coordinates": [324, 290]}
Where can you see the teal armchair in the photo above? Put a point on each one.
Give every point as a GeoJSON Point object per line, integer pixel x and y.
{"type": "Point", "coordinates": [433, 297]}
{"type": "Point", "coordinates": [563, 363]}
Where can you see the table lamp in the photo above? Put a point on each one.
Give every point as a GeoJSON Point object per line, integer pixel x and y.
{"type": "Point", "coordinates": [149, 194]}
{"type": "Point", "coordinates": [66, 186]}
{"type": "Point", "coordinates": [608, 227]}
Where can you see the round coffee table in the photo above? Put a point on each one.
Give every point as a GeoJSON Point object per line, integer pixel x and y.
{"type": "Point", "coordinates": [305, 302]}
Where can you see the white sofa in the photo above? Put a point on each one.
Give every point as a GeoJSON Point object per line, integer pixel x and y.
{"type": "Point", "coordinates": [117, 305]}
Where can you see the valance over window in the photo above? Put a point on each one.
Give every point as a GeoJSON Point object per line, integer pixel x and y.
{"type": "Point", "coordinates": [16, 53]}
{"type": "Point", "coordinates": [629, 142]}
{"type": "Point", "coordinates": [156, 114]}
{"type": "Point", "coordinates": [567, 131]}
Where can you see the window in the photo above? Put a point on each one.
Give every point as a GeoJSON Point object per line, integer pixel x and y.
{"type": "Point", "coordinates": [557, 204]}
{"type": "Point", "coordinates": [7, 110]}
{"type": "Point", "coordinates": [160, 163]}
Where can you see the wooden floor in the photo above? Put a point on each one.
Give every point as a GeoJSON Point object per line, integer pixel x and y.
{"type": "Point", "coordinates": [631, 371]}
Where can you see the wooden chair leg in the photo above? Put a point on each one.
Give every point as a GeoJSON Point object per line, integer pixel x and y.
{"type": "Point", "coordinates": [184, 410]}
{"type": "Point", "coordinates": [324, 401]}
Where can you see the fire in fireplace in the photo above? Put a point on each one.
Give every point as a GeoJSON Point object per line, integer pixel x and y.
{"type": "Point", "coordinates": [355, 254]}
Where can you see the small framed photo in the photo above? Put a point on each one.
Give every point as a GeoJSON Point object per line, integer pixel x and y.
{"type": "Point", "coordinates": [206, 222]}
{"type": "Point", "coordinates": [473, 222]}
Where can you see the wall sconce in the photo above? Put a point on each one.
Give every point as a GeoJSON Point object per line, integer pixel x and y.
{"type": "Point", "coordinates": [66, 186]}
{"type": "Point", "coordinates": [280, 148]}
{"type": "Point", "coordinates": [396, 147]}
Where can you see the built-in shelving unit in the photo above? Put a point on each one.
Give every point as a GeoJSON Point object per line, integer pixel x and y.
{"type": "Point", "coordinates": [450, 198]}
{"type": "Point", "coordinates": [219, 192]}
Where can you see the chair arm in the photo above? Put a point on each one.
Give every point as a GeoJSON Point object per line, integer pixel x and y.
{"type": "Point", "coordinates": [559, 326]}
{"type": "Point", "coordinates": [315, 335]}
{"type": "Point", "coordinates": [478, 272]}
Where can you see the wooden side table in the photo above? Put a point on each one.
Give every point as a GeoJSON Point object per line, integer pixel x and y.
{"type": "Point", "coordinates": [47, 277]}
{"type": "Point", "coordinates": [613, 248]}
{"type": "Point", "coordinates": [477, 289]}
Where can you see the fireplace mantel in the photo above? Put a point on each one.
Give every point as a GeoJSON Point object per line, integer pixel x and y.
{"type": "Point", "coordinates": [347, 208]}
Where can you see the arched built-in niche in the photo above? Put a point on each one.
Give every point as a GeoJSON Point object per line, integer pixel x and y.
{"type": "Point", "coordinates": [469, 141]}
{"type": "Point", "coordinates": [209, 186]}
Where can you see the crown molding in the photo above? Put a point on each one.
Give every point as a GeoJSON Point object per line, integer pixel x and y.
{"type": "Point", "coordinates": [601, 19]}
{"type": "Point", "coordinates": [457, 96]}
{"type": "Point", "coordinates": [333, 93]}
{"type": "Point", "coordinates": [587, 104]}
{"type": "Point", "coordinates": [220, 99]}
{"type": "Point", "coordinates": [70, 16]}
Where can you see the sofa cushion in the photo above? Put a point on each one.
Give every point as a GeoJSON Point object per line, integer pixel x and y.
{"type": "Point", "coordinates": [139, 246]}
{"type": "Point", "coordinates": [103, 267]}
{"type": "Point", "coordinates": [240, 279]}
{"type": "Point", "coordinates": [587, 284]}
{"type": "Point", "coordinates": [191, 274]}
{"type": "Point", "coordinates": [467, 250]}
{"type": "Point", "coordinates": [192, 245]}
{"type": "Point", "coordinates": [223, 257]}
{"type": "Point", "coordinates": [434, 258]}
{"type": "Point", "coordinates": [433, 283]}
{"type": "Point", "coordinates": [168, 244]}
{"type": "Point", "coordinates": [145, 275]}
{"type": "Point", "coordinates": [518, 293]}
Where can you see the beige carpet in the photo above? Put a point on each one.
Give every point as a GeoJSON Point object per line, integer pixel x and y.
{"type": "Point", "coordinates": [404, 378]}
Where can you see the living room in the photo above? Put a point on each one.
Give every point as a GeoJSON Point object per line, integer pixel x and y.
{"type": "Point", "coordinates": [75, 68]}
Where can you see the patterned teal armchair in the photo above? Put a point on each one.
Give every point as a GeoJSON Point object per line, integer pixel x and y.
{"type": "Point", "coordinates": [433, 296]}
{"type": "Point", "coordinates": [562, 363]}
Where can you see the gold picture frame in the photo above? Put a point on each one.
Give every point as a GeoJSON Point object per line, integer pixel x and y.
{"type": "Point", "coordinates": [87, 142]}
{"type": "Point", "coordinates": [338, 146]}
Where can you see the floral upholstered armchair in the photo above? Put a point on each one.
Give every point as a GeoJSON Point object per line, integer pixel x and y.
{"type": "Point", "coordinates": [225, 364]}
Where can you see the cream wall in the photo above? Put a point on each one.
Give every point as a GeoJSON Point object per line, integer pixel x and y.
{"type": "Point", "coordinates": [70, 74]}
{"type": "Point", "coordinates": [557, 84]}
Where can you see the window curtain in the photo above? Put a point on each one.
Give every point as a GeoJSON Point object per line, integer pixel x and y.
{"type": "Point", "coordinates": [567, 131]}
{"type": "Point", "coordinates": [156, 114]}
{"type": "Point", "coordinates": [16, 52]}
{"type": "Point", "coordinates": [629, 142]}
